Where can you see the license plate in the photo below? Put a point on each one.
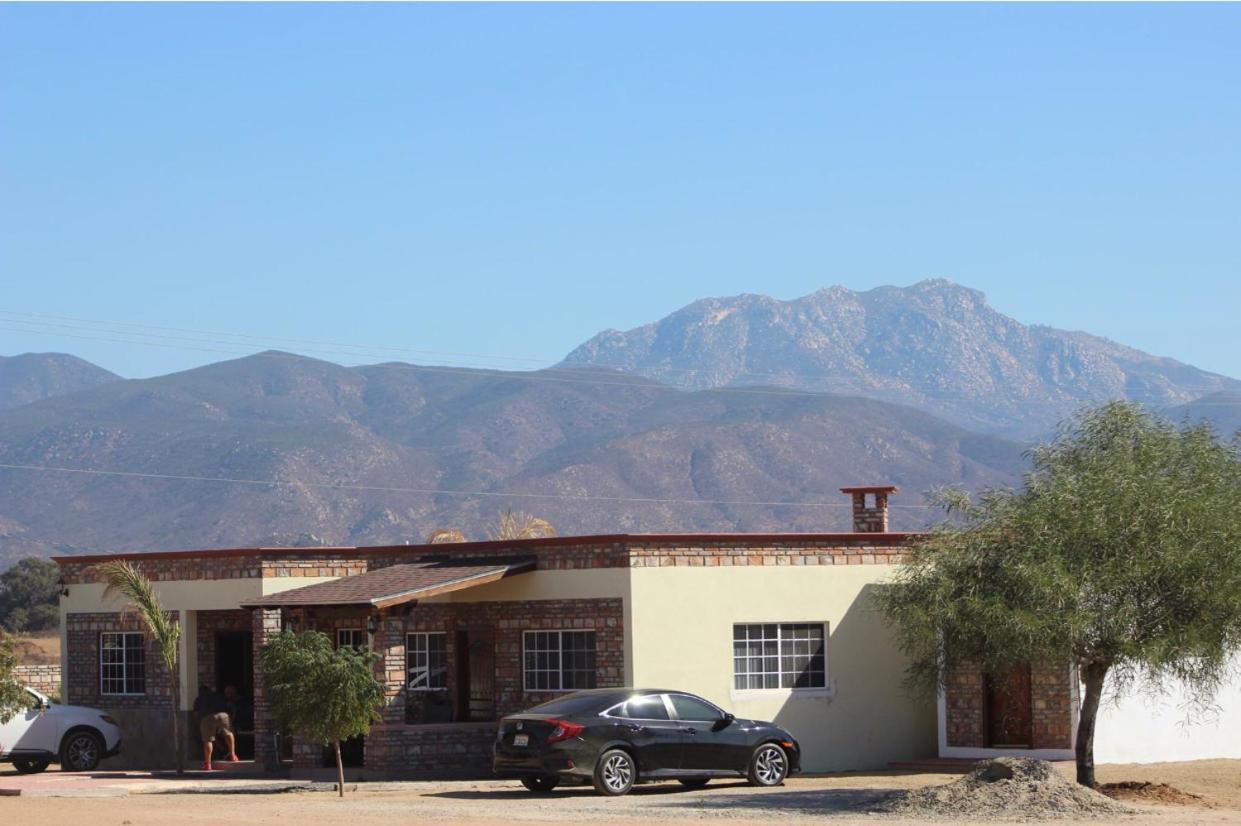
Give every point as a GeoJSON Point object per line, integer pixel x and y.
{"type": "Point", "coordinates": [521, 739]}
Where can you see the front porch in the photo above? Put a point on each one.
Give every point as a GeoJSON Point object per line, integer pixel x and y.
{"type": "Point", "coordinates": [450, 666]}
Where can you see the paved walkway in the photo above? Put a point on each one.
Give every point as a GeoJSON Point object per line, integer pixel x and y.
{"type": "Point", "coordinates": [238, 777]}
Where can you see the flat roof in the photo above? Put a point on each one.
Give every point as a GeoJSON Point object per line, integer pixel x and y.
{"type": "Point", "coordinates": [874, 538]}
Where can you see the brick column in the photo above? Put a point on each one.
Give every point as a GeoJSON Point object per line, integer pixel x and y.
{"type": "Point", "coordinates": [265, 623]}
{"type": "Point", "coordinates": [383, 745]}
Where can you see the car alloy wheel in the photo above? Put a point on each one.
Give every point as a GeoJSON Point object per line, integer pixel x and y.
{"type": "Point", "coordinates": [81, 752]}
{"type": "Point", "coordinates": [615, 773]}
{"type": "Point", "coordinates": [769, 766]}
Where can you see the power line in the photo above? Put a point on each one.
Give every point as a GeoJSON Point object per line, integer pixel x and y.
{"type": "Point", "coordinates": [438, 491]}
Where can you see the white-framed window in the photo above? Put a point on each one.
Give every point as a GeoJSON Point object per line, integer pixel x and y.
{"type": "Point", "coordinates": [122, 662]}
{"type": "Point", "coordinates": [354, 638]}
{"type": "Point", "coordinates": [426, 661]}
{"type": "Point", "coordinates": [558, 660]}
{"type": "Point", "coordinates": [779, 655]}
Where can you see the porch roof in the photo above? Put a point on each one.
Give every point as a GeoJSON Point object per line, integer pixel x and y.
{"type": "Point", "coordinates": [397, 584]}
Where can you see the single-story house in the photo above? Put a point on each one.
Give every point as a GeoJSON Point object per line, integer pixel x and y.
{"type": "Point", "coordinates": [768, 626]}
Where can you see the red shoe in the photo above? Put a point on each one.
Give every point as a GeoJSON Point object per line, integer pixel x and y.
{"type": "Point", "coordinates": [234, 759]}
{"type": "Point", "coordinates": [207, 767]}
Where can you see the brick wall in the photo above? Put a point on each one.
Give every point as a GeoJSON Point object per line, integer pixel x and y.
{"type": "Point", "coordinates": [465, 748]}
{"type": "Point", "coordinates": [265, 624]}
{"type": "Point", "coordinates": [965, 700]}
{"type": "Point", "coordinates": [432, 751]}
{"type": "Point", "coordinates": [163, 569]}
{"type": "Point", "coordinates": [42, 678]}
{"type": "Point", "coordinates": [1051, 700]}
{"type": "Point", "coordinates": [82, 687]}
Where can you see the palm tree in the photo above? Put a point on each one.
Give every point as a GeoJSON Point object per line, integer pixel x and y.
{"type": "Point", "coordinates": [440, 536]}
{"type": "Point", "coordinates": [511, 525]}
{"type": "Point", "coordinates": [126, 580]}
{"type": "Point", "coordinates": [518, 525]}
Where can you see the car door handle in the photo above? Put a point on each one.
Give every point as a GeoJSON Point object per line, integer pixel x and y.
{"type": "Point", "coordinates": [690, 730]}
{"type": "Point", "coordinates": [639, 729]}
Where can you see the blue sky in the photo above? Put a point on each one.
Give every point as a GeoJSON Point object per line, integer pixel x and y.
{"type": "Point", "coordinates": [509, 180]}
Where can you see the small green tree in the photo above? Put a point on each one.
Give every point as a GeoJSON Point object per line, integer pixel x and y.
{"type": "Point", "coordinates": [1121, 555]}
{"type": "Point", "coordinates": [13, 698]}
{"type": "Point", "coordinates": [126, 580]}
{"type": "Point", "coordinates": [30, 595]}
{"type": "Point", "coordinates": [323, 694]}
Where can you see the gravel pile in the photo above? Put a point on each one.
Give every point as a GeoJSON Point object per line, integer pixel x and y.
{"type": "Point", "coordinates": [1007, 788]}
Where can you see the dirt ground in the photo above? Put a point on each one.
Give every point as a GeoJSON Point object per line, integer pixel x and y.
{"type": "Point", "coordinates": [1217, 782]}
{"type": "Point", "coordinates": [841, 798]}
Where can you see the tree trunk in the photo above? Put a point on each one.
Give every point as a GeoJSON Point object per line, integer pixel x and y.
{"type": "Point", "coordinates": [1092, 677]}
{"type": "Point", "coordinates": [340, 769]}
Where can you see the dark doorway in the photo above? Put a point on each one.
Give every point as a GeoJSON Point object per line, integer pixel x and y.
{"type": "Point", "coordinates": [1009, 717]}
{"type": "Point", "coordinates": [475, 655]}
{"type": "Point", "coordinates": [234, 667]}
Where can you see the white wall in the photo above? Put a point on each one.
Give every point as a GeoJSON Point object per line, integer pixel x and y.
{"type": "Point", "coordinates": [1144, 730]}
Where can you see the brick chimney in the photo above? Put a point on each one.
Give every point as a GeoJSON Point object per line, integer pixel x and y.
{"type": "Point", "coordinates": [870, 508]}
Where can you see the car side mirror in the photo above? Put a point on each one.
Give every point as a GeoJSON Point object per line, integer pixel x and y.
{"type": "Point", "coordinates": [725, 721]}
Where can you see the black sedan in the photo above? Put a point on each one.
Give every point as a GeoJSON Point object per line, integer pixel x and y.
{"type": "Point", "coordinates": [615, 737]}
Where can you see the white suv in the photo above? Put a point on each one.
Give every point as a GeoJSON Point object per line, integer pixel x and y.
{"type": "Point", "coordinates": [44, 732]}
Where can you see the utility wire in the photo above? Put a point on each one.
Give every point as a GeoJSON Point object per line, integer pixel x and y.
{"type": "Point", "coordinates": [437, 491]}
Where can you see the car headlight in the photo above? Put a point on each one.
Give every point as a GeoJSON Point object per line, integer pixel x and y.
{"type": "Point", "coordinates": [109, 719]}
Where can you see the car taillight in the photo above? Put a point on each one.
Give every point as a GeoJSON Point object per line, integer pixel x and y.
{"type": "Point", "coordinates": [564, 730]}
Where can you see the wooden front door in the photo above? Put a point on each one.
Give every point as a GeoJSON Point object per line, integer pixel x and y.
{"type": "Point", "coordinates": [1009, 720]}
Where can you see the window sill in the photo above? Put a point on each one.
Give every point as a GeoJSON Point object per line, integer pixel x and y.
{"type": "Point", "coordinates": [745, 694]}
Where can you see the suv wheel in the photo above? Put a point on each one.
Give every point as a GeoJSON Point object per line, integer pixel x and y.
{"type": "Point", "coordinates": [615, 773]}
{"type": "Point", "coordinates": [30, 765]}
{"type": "Point", "coordinates": [81, 752]}
{"type": "Point", "coordinates": [540, 783]}
{"type": "Point", "coordinates": [769, 765]}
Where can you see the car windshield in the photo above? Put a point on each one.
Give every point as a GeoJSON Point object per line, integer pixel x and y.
{"type": "Point", "coordinates": [577, 704]}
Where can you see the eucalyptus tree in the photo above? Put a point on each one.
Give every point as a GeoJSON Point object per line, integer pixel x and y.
{"type": "Point", "coordinates": [1120, 554]}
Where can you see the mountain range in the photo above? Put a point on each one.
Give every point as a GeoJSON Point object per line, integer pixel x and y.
{"type": "Point", "coordinates": [663, 428]}
{"type": "Point", "coordinates": [936, 346]}
{"type": "Point", "coordinates": [31, 377]}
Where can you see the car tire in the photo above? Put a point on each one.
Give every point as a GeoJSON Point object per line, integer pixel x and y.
{"type": "Point", "coordinates": [540, 784]}
{"type": "Point", "coordinates": [769, 765]}
{"type": "Point", "coordinates": [615, 773]}
{"type": "Point", "coordinates": [30, 765]}
{"type": "Point", "coordinates": [695, 782]}
{"type": "Point", "coordinates": [81, 752]}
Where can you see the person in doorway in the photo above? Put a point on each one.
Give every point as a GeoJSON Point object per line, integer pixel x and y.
{"type": "Point", "coordinates": [210, 709]}
{"type": "Point", "coordinates": [240, 710]}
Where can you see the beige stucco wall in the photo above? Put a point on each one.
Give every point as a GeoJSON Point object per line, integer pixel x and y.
{"type": "Point", "coordinates": [682, 638]}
